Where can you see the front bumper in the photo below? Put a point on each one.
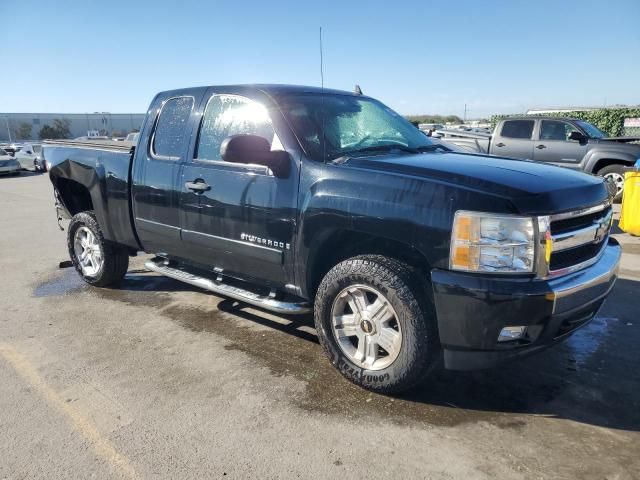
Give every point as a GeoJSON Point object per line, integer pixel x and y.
{"type": "Point", "coordinates": [11, 168]}
{"type": "Point", "coordinates": [472, 309]}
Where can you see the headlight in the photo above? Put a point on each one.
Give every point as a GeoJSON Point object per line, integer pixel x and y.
{"type": "Point", "coordinates": [486, 242]}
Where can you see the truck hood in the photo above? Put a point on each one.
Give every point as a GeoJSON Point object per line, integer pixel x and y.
{"type": "Point", "coordinates": [620, 139]}
{"type": "Point", "coordinates": [533, 188]}
{"type": "Point", "coordinates": [615, 145]}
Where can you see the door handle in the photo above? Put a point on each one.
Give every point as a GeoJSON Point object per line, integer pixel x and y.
{"type": "Point", "coordinates": [540, 147]}
{"type": "Point", "coordinates": [198, 186]}
{"type": "Point", "coordinates": [500, 144]}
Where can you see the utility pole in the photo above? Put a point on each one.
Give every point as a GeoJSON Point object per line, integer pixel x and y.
{"type": "Point", "coordinates": [464, 118]}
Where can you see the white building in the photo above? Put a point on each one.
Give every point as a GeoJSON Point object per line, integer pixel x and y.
{"type": "Point", "coordinates": [27, 126]}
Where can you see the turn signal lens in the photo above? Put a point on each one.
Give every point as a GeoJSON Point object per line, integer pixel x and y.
{"type": "Point", "coordinates": [464, 228]}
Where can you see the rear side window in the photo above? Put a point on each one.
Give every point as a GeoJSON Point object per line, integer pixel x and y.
{"type": "Point", "coordinates": [228, 115]}
{"type": "Point", "coordinates": [171, 128]}
{"type": "Point", "coordinates": [517, 129]}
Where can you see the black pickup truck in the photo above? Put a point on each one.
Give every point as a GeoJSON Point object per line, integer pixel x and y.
{"type": "Point", "coordinates": [299, 199]}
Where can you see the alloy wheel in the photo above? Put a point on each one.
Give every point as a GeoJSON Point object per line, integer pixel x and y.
{"type": "Point", "coordinates": [88, 251]}
{"type": "Point", "coordinates": [366, 327]}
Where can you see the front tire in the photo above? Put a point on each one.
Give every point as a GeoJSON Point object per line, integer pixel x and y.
{"type": "Point", "coordinates": [98, 262]}
{"type": "Point", "coordinates": [615, 173]}
{"type": "Point", "coordinates": [376, 323]}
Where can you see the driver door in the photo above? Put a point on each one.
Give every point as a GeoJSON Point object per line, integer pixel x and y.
{"type": "Point", "coordinates": [553, 144]}
{"type": "Point", "coordinates": [237, 217]}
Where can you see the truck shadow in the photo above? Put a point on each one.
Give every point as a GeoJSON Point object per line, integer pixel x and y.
{"type": "Point", "coordinates": [591, 378]}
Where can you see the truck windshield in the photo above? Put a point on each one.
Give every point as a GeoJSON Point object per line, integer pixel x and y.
{"type": "Point", "coordinates": [332, 125]}
{"type": "Point", "coordinates": [590, 130]}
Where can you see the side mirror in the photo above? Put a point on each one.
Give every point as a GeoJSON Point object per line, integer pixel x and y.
{"type": "Point", "coordinates": [577, 136]}
{"type": "Point", "coordinates": [246, 148]}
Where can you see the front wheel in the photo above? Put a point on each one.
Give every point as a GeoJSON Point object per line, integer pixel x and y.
{"type": "Point", "coordinates": [615, 174]}
{"type": "Point", "coordinates": [376, 323]}
{"type": "Point", "coordinates": [98, 262]}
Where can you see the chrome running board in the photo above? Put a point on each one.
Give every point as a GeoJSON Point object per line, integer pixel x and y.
{"type": "Point", "coordinates": [268, 302]}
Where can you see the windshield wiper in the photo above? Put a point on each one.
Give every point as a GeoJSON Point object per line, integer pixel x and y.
{"type": "Point", "coordinates": [432, 148]}
{"type": "Point", "coordinates": [386, 147]}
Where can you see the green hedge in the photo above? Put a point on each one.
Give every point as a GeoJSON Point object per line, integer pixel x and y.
{"type": "Point", "coordinates": [609, 120]}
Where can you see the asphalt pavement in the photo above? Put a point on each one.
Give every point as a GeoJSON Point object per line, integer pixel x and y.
{"type": "Point", "coordinates": [157, 379]}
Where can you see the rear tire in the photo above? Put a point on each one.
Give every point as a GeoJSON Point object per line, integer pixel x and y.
{"type": "Point", "coordinates": [376, 323]}
{"type": "Point", "coordinates": [98, 262]}
{"type": "Point", "coordinates": [616, 174]}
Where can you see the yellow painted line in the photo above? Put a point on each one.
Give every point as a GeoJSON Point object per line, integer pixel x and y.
{"type": "Point", "coordinates": [79, 421]}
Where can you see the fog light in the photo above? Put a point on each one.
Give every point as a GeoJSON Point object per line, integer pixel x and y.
{"type": "Point", "coordinates": [511, 333]}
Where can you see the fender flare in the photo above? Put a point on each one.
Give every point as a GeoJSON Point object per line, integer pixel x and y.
{"type": "Point", "coordinates": [592, 159]}
{"type": "Point", "coordinates": [89, 178]}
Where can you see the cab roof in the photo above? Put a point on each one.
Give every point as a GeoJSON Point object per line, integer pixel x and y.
{"type": "Point", "coordinates": [275, 90]}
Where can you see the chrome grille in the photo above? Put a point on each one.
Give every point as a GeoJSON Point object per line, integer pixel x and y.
{"type": "Point", "coordinates": [574, 256]}
{"type": "Point", "coordinates": [578, 238]}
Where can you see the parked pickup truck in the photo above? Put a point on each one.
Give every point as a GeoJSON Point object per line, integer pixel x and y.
{"type": "Point", "coordinates": [297, 199]}
{"type": "Point", "coordinates": [562, 141]}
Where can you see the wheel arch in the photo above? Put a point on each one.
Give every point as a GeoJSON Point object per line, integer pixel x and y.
{"type": "Point", "coordinates": [600, 160]}
{"type": "Point", "coordinates": [74, 195]}
{"type": "Point", "coordinates": [340, 244]}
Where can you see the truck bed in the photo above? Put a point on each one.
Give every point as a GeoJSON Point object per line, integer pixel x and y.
{"type": "Point", "coordinates": [471, 141]}
{"type": "Point", "coordinates": [103, 167]}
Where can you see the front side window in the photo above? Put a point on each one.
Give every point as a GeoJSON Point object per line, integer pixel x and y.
{"type": "Point", "coordinates": [333, 125]}
{"type": "Point", "coordinates": [171, 129]}
{"type": "Point", "coordinates": [591, 130]}
{"type": "Point", "coordinates": [556, 130]}
{"type": "Point", "coordinates": [228, 115]}
{"type": "Point", "coordinates": [518, 129]}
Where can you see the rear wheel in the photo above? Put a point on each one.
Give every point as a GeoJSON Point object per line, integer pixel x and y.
{"type": "Point", "coordinates": [615, 174]}
{"type": "Point", "coordinates": [98, 262]}
{"type": "Point", "coordinates": [376, 324]}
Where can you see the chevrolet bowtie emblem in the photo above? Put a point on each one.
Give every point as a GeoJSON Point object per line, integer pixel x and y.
{"type": "Point", "coordinates": [603, 228]}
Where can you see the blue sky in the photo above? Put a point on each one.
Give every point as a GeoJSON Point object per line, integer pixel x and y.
{"type": "Point", "coordinates": [418, 57]}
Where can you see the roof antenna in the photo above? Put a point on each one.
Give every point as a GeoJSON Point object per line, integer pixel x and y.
{"type": "Point", "coordinates": [321, 70]}
{"type": "Point", "coordinates": [324, 139]}
{"type": "Point", "coordinates": [357, 90]}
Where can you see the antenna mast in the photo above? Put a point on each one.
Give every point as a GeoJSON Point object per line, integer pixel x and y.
{"type": "Point", "coordinates": [321, 69]}
{"type": "Point", "coordinates": [324, 139]}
